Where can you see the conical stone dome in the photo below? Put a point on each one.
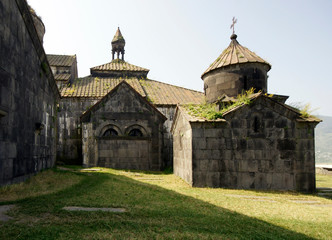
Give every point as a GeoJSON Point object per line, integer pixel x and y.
{"type": "Point", "coordinates": [237, 69]}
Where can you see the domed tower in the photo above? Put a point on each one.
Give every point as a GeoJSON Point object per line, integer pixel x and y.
{"type": "Point", "coordinates": [237, 69]}
{"type": "Point", "coordinates": [39, 25]}
{"type": "Point", "coordinates": [118, 44]}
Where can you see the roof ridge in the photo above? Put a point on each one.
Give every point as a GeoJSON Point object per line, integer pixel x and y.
{"type": "Point", "coordinates": [52, 54]}
{"type": "Point", "coordinates": [121, 62]}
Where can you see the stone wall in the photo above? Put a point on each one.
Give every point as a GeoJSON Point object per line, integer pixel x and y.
{"type": "Point", "coordinates": [235, 79]}
{"type": "Point", "coordinates": [183, 150]}
{"type": "Point", "coordinates": [261, 146]}
{"type": "Point", "coordinates": [69, 137]}
{"type": "Point", "coordinates": [69, 144]}
{"type": "Point", "coordinates": [122, 111]}
{"type": "Point", "coordinates": [28, 97]}
{"type": "Point", "coordinates": [168, 111]}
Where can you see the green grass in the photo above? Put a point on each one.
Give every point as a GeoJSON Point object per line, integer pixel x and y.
{"type": "Point", "coordinates": [209, 110]}
{"type": "Point", "coordinates": [324, 181]}
{"type": "Point", "coordinates": [159, 206]}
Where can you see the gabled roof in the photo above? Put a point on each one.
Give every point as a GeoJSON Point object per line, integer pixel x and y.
{"type": "Point", "coordinates": [156, 92]}
{"type": "Point", "coordinates": [95, 87]}
{"type": "Point", "coordinates": [61, 76]}
{"type": "Point", "coordinates": [235, 53]}
{"type": "Point", "coordinates": [121, 84]}
{"type": "Point", "coordinates": [119, 65]}
{"type": "Point", "coordinates": [61, 60]}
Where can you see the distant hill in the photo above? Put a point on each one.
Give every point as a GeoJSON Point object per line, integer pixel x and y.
{"type": "Point", "coordinates": [323, 142]}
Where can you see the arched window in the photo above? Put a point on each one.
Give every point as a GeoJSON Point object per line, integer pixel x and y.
{"type": "Point", "coordinates": [110, 132]}
{"type": "Point", "coordinates": [257, 124]}
{"type": "Point", "coordinates": [245, 83]}
{"type": "Point", "coordinates": [135, 133]}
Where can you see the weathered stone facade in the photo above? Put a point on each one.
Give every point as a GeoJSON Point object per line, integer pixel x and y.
{"type": "Point", "coordinates": [123, 131]}
{"type": "Point", "coordinates": [84, 93]}
{"type": "Point", "coordinates": [233, 79]}
{"type": "Point", "coordinates": [69, 134]}
{"type": "Point", "coordinates": [261, 146]}
{"type": "Point", "coordinates": [28, 97]}
{"type": "Point", "coordinates": [168, 111]}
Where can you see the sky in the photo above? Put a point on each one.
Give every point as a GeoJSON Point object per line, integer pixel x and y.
{"type": "Point", "coordinates": [178, 39]}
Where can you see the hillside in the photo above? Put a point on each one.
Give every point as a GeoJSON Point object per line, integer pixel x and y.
{"type": "Point", "coordinates": [324, 141]}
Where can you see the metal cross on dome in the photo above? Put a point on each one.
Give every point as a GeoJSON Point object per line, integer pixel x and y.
{"type": "Point", "coordinates": [233, 24]}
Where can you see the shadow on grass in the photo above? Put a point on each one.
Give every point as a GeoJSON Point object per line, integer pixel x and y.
{"type": "Point", "coordinates": [152, 212]}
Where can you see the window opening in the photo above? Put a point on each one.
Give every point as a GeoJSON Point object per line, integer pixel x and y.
{"type": "Point", "coordinates": [245, 83]}
{"type": "Point", "coordinates": [110, 132]}
{"type": "Point", "coordinates": [135, 133]}
{"type": "Point", "coordinates": [256, 124]}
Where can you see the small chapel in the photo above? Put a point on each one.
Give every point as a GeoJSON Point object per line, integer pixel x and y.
{"type": "Point", "coordinates": [116, 117]}
{"type": "Point", "coordinates": [256, 142]}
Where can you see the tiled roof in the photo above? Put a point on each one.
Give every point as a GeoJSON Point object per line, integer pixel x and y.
{"type": "Point", "coordinates": [62, 76]}
{"type": "Point", "coordinates": [156, 92]}
{"type": "Point", "coordinates": [161, 93]}
{"type": "Point", "coordinates": [130, 88]}
{"type": "Point", "coordinates": [119, 65]}
{"type": "Point", "coordinates": [95, 87]}
{"type": "Point", "coordinates": [61, 60]}
{"type": "Point", "coordinates": [235, 54]}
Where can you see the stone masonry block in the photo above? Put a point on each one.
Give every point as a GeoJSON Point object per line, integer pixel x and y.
{"type": "Point", "coordinates": [211, 133]}
{"type": "Point", "coordinates": [212, 143]}
{"type": "Point", "coordinates": [252, 165]}
{"type": "Point", "coordinates": [203, 165]}
{"type": "Point", "coordinates": [243, 166]}
{"type": "Point", "coordinates": [213, 179]}
{"type": "Point", "coordinates": [214, 165]}
{"type": "Point", "coordinates": [216, 154]}
{"type": "Point", "coordinates": [11, 150]}
{"type": "Point", "coordinates": [278, 181]}
{"type": "Point", "coordinates": [199, 143]}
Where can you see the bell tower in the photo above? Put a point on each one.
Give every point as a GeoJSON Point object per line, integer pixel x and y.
{"type": "Point", "coordinates": [118, 44]}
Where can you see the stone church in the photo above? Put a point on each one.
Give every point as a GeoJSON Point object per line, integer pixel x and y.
{"type": "Point", "coordinates": [119, 118]}
{"type": "Point", "coordinates": [261, 144]}
{"type": "Point", "coordinates": [98, 126]}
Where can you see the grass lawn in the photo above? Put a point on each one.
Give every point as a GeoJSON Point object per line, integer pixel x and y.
{"type": "Point", "coordinates": [159, 206]}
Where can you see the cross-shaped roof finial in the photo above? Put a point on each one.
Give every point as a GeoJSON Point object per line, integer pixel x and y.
{"type": "Point", "coordinates": [233, 24]}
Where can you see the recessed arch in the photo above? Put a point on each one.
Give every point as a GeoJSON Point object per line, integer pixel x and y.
{"type": "Point", "coordinates": [110, 130]}
{"type": "Point", "coordinates": [136, 131]}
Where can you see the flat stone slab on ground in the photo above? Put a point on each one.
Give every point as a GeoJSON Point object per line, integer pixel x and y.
{"type": "Point", "coordinates": [150, 179]}
{"type": "Point", "coordinates": [91, 169]}
{"type": "Point", "coordinates": [3, 210]}
{"type": "Point", "coordinates": [329, 194]}
{"type": "Point", "coordinates": [91, 209]}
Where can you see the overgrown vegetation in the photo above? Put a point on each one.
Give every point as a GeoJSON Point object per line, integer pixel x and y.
{"type": "Point", "coordinates": [159, 206]}
{"type": "Point", "coordinates": [210, 110]}
{"type": "Point", "coordinates": [304, 109]}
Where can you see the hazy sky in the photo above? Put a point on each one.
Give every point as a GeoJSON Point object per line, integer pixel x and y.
{"type": "Point", "coordinates": [178, 40]}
